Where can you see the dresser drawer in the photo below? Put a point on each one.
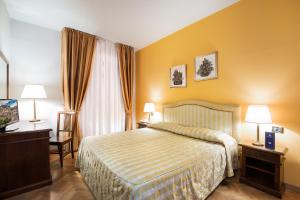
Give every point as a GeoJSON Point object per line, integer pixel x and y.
{"type": "Point", "coordinates": [262, 155]}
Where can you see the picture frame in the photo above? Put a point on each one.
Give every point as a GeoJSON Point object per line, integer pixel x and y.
{"type": "Point", "coordinates": [206, 66]}
{"type": "Point", "coordinates": [178, 76]}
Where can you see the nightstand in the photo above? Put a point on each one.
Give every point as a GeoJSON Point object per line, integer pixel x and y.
{"type": "Point", "coordinates": [263, 168]}
{"type": "Point", "coordinates": [142, 124]}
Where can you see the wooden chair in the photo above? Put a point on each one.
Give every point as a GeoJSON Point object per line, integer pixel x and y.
{"type": "Point", "coordinates": [64, 137]}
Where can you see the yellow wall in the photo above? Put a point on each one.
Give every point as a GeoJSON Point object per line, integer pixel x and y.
{"type": "Point", "coordinates": [258, 44]}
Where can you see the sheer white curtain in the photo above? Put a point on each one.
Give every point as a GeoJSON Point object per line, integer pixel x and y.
{"type": "Point", "coordinates": [102, 111]}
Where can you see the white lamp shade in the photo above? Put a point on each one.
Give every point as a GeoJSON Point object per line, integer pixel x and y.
{"type": "Point", "coordinates": [259, 114]}
{"type": "Point", "coordinates": [149, 107]}
{"type": "Point", "coordinates": [33, 92]}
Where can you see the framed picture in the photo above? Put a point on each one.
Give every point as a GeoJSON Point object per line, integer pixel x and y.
{"type": "Point", "coordinates": [206, 67]}
{"type": "Point", "coordinates": [178, 76]}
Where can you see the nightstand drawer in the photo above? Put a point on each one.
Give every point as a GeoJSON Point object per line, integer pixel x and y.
{"type": "Point", "coordinates": [262, 155]}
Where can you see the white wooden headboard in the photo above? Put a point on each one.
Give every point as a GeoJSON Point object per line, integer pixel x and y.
{"type": "Point", "coordinates": [226, 118]}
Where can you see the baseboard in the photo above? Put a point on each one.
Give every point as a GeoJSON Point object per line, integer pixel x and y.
{"type": "Point", "coordinates": [292, 187]}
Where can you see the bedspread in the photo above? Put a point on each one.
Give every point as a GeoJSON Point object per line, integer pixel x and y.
{"type": "Point", "coordinates": [151, 164]}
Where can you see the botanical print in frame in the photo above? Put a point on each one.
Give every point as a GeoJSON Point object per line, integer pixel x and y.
{"type": "Point", "coordinates": [178, 76]}
{"type": "Point", "coordinates": [206, 67]}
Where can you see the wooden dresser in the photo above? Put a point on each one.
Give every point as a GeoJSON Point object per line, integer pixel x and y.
{"type": "Point", "coordinates": [24, 158]}
{"type": "Point", "coordinates": [263, 168]}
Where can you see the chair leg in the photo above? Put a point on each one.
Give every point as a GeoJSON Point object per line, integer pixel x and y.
{"type": "Point", "coordinates": [72, 148]}
{"type": "Point", "coordinates": [60, 151]}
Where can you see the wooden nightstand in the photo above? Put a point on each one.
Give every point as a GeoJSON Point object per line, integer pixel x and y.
{"type": "Point", "coordinates": [142, 124]}
{"type": "Point", "coordinates": [263, 168]}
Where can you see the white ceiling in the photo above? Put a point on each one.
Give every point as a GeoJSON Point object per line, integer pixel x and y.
{"type": "Point", "coordinates": [134, 22]}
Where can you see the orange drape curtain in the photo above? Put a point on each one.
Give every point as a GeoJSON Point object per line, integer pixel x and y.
{"type": "Point", "coordinates": [77, 50]}
{"type": "Point", "coordinates": [126, 67]}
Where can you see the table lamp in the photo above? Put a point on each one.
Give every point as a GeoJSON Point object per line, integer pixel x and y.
{"type": "Point", "coordinates": [259, 114]}
{"type": "Point", "coordinates": [34, 92]}
{"type": "Point", "coordinates": [149, 108]}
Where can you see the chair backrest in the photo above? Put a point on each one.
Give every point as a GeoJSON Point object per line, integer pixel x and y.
{"type": "Point", "coordinates": [68, 118]}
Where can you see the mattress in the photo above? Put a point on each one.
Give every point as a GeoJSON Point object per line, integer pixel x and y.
{"type": "Point", "coordinates": [151, 163]}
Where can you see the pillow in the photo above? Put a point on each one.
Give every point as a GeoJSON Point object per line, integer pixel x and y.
{"type": "Point", "coordinates": [194, 132]}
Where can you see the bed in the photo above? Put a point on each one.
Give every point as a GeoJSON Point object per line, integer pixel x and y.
{"type": "Point", "coordinates": [186, 156]}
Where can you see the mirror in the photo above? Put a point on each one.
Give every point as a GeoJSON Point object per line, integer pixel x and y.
{"type": "Point", "coordinates": [4, 78]}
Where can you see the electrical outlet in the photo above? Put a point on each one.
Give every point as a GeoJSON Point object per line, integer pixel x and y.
{"type": "Point", "coordinates": [277, 129]}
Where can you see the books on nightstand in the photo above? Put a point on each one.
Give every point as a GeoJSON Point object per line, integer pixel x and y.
{"type": "Point", "coordinates": [270, 140]}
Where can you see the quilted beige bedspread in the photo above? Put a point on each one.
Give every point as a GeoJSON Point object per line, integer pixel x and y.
{"type": "Point", "coordinates": [151, 163]}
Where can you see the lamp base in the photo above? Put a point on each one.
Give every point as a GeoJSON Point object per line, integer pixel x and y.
{"type": "Point", "coordinates": [257, 144]}
{"type": "Point", "coordinates": [34, 120]}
